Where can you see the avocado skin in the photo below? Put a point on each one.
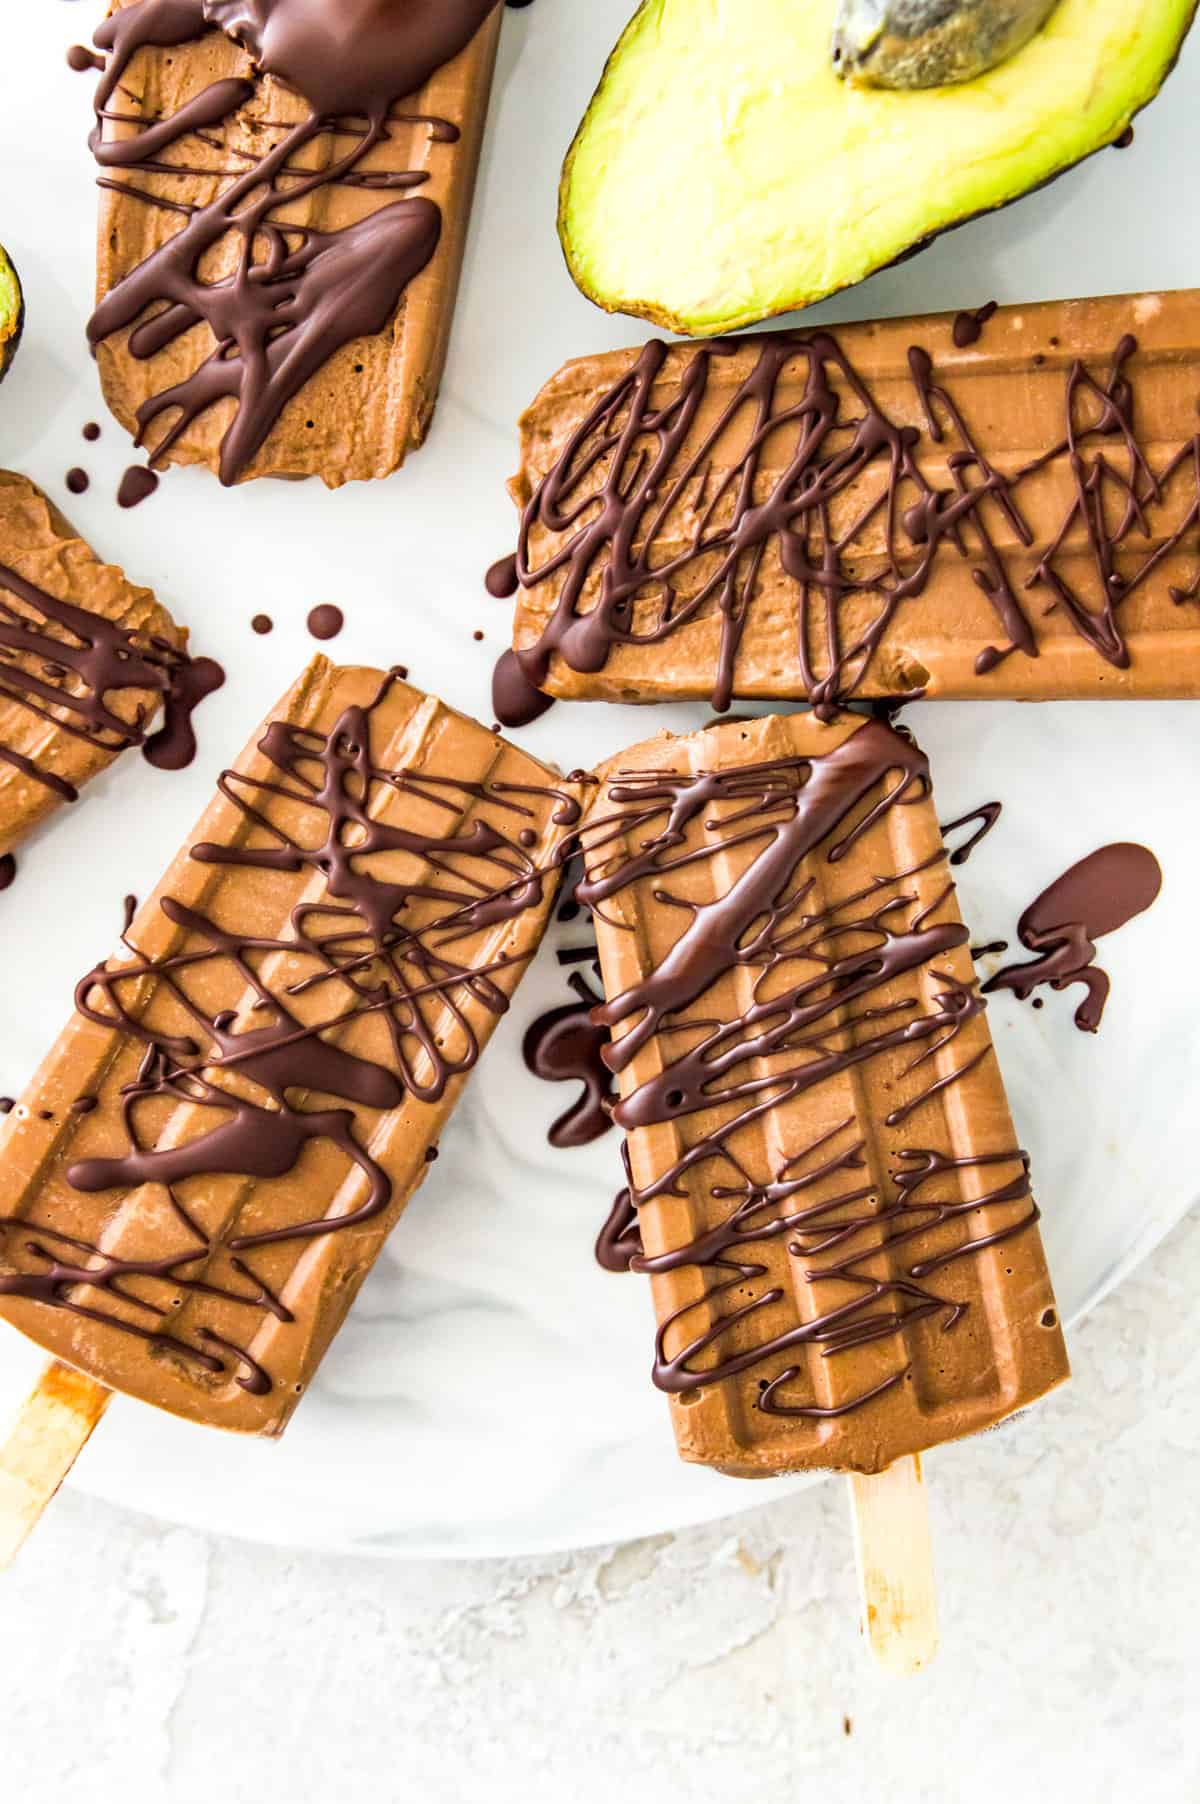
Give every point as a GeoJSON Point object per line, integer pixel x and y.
{"type": "Point", "coordinates": [669, 322]}
{"type": "Point", "coordinates": [11, 328]}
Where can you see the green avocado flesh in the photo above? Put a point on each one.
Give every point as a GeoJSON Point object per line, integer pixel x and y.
{"type": "Point", "coordinates": [12, 312]}
{"type": "Point", "coordinates": [723, 173]}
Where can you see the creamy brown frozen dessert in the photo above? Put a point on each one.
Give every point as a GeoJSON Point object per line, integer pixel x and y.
{"type": "Point", "coordinates": [201, 1174]}
{"type": "Point", "coordinates": [1001, 504]}
{"type": "Point", "coordinates": [88, 660]}
{"type": "Point", "coordinates": [285, 193]}
{"type": "Point", "coordinates": [834, 1208]}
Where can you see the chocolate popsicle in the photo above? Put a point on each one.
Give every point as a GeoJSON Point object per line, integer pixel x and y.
{"type": "Point", "coordinates": [201, 1174]}
{"type": "Point", "coordinates": [994, 505]}
{"type": "Point", "coordinates": [87, 661]}
{"type": "Point", "coordinates": [285, 193]}
{"type": "Point", "coordinates": [834, 1208]}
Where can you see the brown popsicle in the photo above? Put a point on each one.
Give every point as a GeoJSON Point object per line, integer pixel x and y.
{"type": "Point", "coordinates": [201, 1174]}
{"type": "Point", "coordinates": [1005, 509]}
{"type": "Point", "coordinates": [88, 659]}
{"type": "Point", "coordinates": [834, 1207]}
{"type": "Point", "coordinates": [348, 313]}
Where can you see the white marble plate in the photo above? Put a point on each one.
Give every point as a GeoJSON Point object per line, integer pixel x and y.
{"type": "Point", "coordinates": [490, 1393]}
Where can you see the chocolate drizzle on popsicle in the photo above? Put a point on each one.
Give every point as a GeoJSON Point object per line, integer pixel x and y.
{"type": "Point", "coordinates": [1094, 897]}
{"type": "Point", "coordinates": [807, 1012]}
{"type": "Point", "coordinates": [296, 294]}
{"type": "Point", "coordinates": [968, 325]}
{"type": "Point", "coordinates": [374, 952]}
{"type": "Point", "coordinates": [659, 514]}
{"type": "Point", "coordinates": [65, 665]}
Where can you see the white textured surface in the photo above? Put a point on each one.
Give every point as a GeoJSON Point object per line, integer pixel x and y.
{"type": "Point", "coordinates": [489, 1392]}
{"type": "Point", "coordinates": [714, 1664]}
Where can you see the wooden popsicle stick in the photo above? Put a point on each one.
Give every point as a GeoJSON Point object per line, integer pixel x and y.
{"type": "Point", "coordinates": [51, 1430]}
{"type": "Point", "coordinates": [895, 1566]}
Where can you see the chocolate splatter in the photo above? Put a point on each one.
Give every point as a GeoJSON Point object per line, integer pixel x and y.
{"type": "Point", "coordinates": [91, 432]}
{"type": "Point", "coordinates": [987, 814]}
{"type": "Point", "coordinates": [325, 621]}
{"type": "Point", "coordinates": [516, 701]}
{"type": "Point", "coordinates": [1092, 898]}
{"type": "Point", "coordinates": [8, 870]}
{"type": "Point", "coordinates": [619, 1242]}
{"type": "Point", "coordinates": [174, 744]}
{"type": "Point", "coordinates": [262, 623]}
{"type": "Point", "coordinates": [136, 486]}
{"type": "Point", "coordinates": [563, 1045]}
{"type": "Point", "coordinates": [501, 580]}
{"type": "Point", "coordinates": [78, 481]}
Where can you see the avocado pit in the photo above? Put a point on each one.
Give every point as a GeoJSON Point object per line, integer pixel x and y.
{"type": "Point", "coordinates": [930, 43]}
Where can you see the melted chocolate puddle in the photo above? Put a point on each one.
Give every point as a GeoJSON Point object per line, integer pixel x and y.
{"type": "Point", "coordinates": [136, 486]}
{"type": "Point", "coordinates": [1094, 897]}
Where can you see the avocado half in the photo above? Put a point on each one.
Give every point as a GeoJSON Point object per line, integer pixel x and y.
{"type": "Point", "coordinates": [12, 312]}
{"type": "Point", "coordinates": [723, 173]}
